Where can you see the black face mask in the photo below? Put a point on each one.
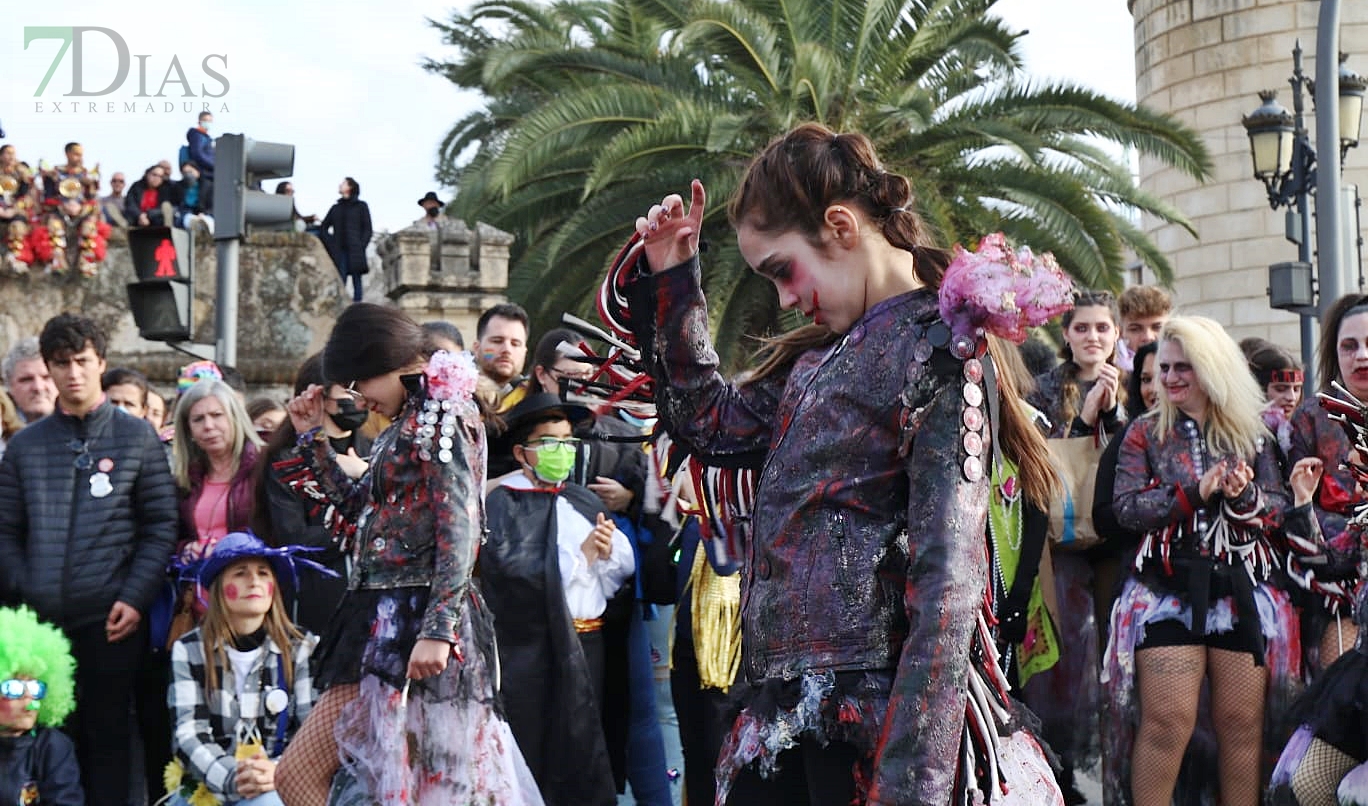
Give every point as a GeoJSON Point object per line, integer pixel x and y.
{"type": "Point", "coordinates": [433, 212]}
{"type": "Point", "coordinates": [348, 416]}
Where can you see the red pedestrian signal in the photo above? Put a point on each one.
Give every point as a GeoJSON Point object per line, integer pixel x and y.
{"type": "Point", "coordinates": [163, 260]}
{"type": "Point", "coordinates": [166, 259]}
{"type": "Point", "coordinates": [161, 253]}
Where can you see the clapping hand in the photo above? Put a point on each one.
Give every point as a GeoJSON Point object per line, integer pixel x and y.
{"type": "Point", "coordinates": [1211, 480]}
{"type": "Point", "coordinates": [671, 234]}
{"type": "Point", "coordinates": [1102, 397]}
{"type": "Point", "coordinates": [599, 544]}
{"type": "Point", "coordinates": [1239, 477]}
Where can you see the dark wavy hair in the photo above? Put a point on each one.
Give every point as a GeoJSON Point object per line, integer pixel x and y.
{"type": "Point", "coordinates": [370, 340]}
{"type": "Point", "coordinates": [68, 333]}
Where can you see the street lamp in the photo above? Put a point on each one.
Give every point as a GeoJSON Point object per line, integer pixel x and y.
{"type": "Point", "coordinates": [1351, 89]}
{"type": "Point", "coordinates": [1285, 162]}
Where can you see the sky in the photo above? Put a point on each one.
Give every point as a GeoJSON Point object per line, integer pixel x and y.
{"type": "Point", "coordinates": [343, 82]}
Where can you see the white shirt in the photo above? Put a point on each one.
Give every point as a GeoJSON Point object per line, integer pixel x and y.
{"type": "Point", "coordinates": [242, 665]}
{"type": "Point", "coordinates": [587, 587]}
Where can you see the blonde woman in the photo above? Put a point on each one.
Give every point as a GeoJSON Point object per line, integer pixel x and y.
{"type": "Point", "coordinates": [215, 450]}
{"type": "Point", "coordinates": [1199, 477]}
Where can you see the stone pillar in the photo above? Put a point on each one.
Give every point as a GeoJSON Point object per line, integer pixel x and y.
{"type": "Point", "coordinates": [452, 273]}
{"type": "Point", "coordinates": [1204, 61]}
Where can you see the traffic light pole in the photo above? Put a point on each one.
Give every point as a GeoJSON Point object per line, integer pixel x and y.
{"type": "Point", "coordinates": [226, 301]}
{"type": "Point", "coordinates": [241, 165]}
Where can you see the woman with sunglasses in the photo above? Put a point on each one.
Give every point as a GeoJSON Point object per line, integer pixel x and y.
{"type": "Point", "coordinates": [406, 668]}
{"type": "Point", "coordinates": [37, 692]}
{"type": "Point", "coordinates": [1201, 479]}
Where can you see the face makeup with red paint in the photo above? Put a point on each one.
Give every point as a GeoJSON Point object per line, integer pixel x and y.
{"type": "Point", "coordinates": [248, 589]}
{"type": "Point", "coordinates": [1352, 348]}
{"type": "Point", "coordinates": [816, 280]}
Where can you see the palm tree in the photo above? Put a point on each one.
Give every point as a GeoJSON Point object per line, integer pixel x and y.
{"type": "Point", "coordinates": [596, 108]}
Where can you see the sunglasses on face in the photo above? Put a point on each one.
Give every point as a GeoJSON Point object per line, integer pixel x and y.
{"type": "Point", "coordinates": [355, 394]}
{"type": "Point", "coordinates": [15, 689]}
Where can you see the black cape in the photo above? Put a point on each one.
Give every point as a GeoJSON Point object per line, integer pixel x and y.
{"type": "Point", "coordinates": [547, 692]}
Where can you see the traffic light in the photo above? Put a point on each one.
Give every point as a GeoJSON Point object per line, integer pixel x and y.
{"type": "Point", "coordinates": [240, 163]}
{"type": "Point", "coordinates": [163, 259]}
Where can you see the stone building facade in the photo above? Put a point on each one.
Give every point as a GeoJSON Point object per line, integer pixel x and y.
{"type": "Point", "coordinates": [1204, 61]}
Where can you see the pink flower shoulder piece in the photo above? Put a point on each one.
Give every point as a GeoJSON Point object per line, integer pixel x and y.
{"type": "Point", "coordinates": [998, 291]}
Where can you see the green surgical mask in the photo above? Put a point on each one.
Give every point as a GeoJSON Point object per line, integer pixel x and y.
{"type": "Point", "coordinates": [554, 461]}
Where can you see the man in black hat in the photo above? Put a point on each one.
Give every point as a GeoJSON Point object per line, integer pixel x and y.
{"type": "Point", "coordinates": [432, 212]}
{"type": "Point", "coordinates": [552, 561]}
{"type": "Point", "coordinates": [435, 222]}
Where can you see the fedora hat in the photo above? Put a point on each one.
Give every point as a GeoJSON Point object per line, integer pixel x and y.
{"type": "Point", "coordinates": [431, 197]}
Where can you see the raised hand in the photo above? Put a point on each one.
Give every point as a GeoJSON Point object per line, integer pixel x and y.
{"type": "Point", "coordinates": [306, 409]}
{"type": "Point", "coordinates": [1305, 478]}
{"type": "Point", "coordinates": [670, 233]}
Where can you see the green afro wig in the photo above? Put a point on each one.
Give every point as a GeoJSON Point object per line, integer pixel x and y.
{"type": "Point", "coordinates": [30, 648]}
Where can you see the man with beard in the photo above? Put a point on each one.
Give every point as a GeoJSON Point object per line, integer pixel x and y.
{"type": "Point", "coordinates": [500, 351]}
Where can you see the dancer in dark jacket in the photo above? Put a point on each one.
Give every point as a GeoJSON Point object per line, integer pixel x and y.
{"type": "Point", "coordinates": [863, 621]}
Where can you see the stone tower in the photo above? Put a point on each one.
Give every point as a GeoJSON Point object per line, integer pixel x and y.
{"type": "Point", "coordinates": [1204, 61]}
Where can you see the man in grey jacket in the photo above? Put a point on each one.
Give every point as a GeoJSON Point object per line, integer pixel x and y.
{"type": "Point", "coordinates": [87, 525]}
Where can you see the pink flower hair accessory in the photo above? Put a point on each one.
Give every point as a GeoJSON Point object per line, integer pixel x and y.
{"type": "Point", "coordinates": [451, 376]}
{"type": "Point", "coordinates": [998, 291]}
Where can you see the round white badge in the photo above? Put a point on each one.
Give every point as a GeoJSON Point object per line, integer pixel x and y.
{"type": "Point", "coordinates": [276, 700]}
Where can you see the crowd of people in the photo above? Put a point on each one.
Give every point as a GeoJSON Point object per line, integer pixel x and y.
{"type": "Point", "coordinates": [913, 556]}
{"type": "Point", "coordinates": [56, 217]}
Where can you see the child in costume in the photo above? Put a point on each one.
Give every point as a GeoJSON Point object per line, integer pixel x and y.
{"type": "Point", "coordinates": [37, 692]}
{"type": "Point", "coordinates": [241, 684]}
{"type": "Point", "coordinates": [552, 561]}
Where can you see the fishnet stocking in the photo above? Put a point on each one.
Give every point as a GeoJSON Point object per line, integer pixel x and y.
{"type": "Point", "coordinates": [305, 772]}
{"type": "Point", "coordinates": [1336, 640]}
{"type": "Point", "coordinates": [1237, 701]}
{"type": "Point", "coordinates": [1318, 776]}
{"type": "Point", "coordinates": [1168, 679]}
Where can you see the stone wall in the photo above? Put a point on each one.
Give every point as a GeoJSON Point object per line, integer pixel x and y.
{"type": "Point", "coordinates": [1204, 62]}
{"type": "Point", "coordinates": [289, 297]}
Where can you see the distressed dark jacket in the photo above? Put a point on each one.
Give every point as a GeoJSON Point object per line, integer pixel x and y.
{"type": "Point", "coordinates": [857, 558]}
{"type": "Point", "coordinates": [421, 519]}
{"type": "Point", "coordinates": [69, 553]}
